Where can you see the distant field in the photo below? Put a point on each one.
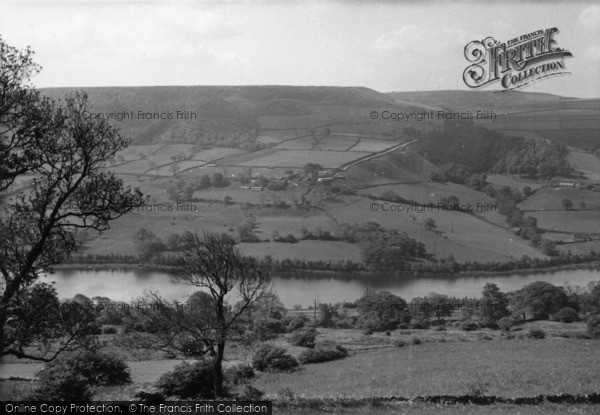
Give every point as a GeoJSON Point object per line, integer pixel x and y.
{"type": "Point", "coordinates": [573, 221]}
{"type": "Point", "coordinates": [309, 250]}
{"type": "Point", "coordinates": [298, 158]}
{"type": "Point", "coordinates": [513, 368]}
{"type": "Point", "coordinates": [336, 143]}
{"type": "Point", "coordinates": [301, 143]}
{"type": "Point", "coordinates": [588, 163]}
{"type": "Point", "coordinates": [511, 181]}
{"type": "Point", "coordinates": [462, 235]}
{"type": "Point", "coordinates": [372, 145]}
{"type": "Point", "coordinates": [551, 199]}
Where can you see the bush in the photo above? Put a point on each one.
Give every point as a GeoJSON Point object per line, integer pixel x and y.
{"type": "Point", "coordinates": [420, 324]}
{"type": "Point", "coordinates": [399, 343]}
{"type": "Point", "coordinates": [109, 330]}
{"type": "Point", "coordinates": [69, 376]}
{"type": "Point", "coordinates": [188, 381]}
{"type": "Point", "coordinates": [416, 340]}
{"type": "Point", "coordinates": [269, 357]}
{"type": "Point", "coordinates": [251, 394]}
{"type": "Point", "coordinates": [469, 326]}
{"type": "Point", "coordinates": [536, 334]}
{"type": "Point", "coordinates": [239, 373]}
{"type": "Point", "coordinates": [505, 323]}
{"type": "Point", "coordinates": [63, 385]}
{"type": "Point", "coordinates": [304, 338]}
{"type": "Point", "coordinates": [344, 324]}
{"type": "Point", "coordinates": [567, 315]}
{"type": "Point", "coordinates": [593, 326]}
{"type": "Point", "coordinates": [323, 353]}
{"type": "Point", "coordinates": [295, 324]}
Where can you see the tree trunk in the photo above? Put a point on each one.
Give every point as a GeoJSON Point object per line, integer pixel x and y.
{"type": "Point", "coordinates": [218, 369]}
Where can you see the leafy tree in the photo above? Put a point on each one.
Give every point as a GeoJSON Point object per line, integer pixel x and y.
{"type": "Point", "coordinates": [539, 299]}
{"type": "Point", "coordinates": [218, 180]}
{"type": "Point", "coordinates": [65, 152]}
{"type": "Point", "coordinates": [494, 305]}
{"type": "Point", "coordinates": [211, 262]}
{"type": "Point", "coordinates": [204, 182]}
{"type": "Point", "coordinates": [567, 204]}
{"type": "Point", "coordinates": [430, 223]}
{"type": "Point", "coordinates": [385, 309]}
{"type": "Point", "coordinates": [440, 305]}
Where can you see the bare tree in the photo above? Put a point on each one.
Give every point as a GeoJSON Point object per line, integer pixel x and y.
{"type": "Point", "coordinates": [203, 325]}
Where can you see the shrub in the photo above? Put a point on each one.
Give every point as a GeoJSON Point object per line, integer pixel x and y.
{"type": "Point", "coordinates": [95, 367]}
{"type": "Point", "coordinates": [323, 353]}
{"type": "Point", "coordinates": [304, 338]}
{"type": "Point", "coordinates": [239, 373]}
{"type": "Point", "coordinates": [536, 334]}
{"type": "Point", "coordinates": [593, 326]}
{"type": "Point", "coordinates": [388, 333]}
{"type": "Point", "coordinates": [252, 394]}
{"type": "Point", "coordinates": [344, 324]}
{"type": "Point", "coordinates": [62, 383]}
{"type": "Point", "coordinates": [505, 323]}
{"type": "Point", "coordinates": [567, 315]}
{"type": "Point", "coordinates": [69, 376]}
{"type": "Point", "coordinates": [109, 330]}
{"type": "Point", "coordinates": [188, 381]}
{"type": "Point", "coordinates": [469, 326]}
{"type": "Point", "coordinates": [399, 343]}
{"type": "Point", "coordinates": [269, 357]}
{"type": "Point", "coordinates": [368, 331]}
{"type": "Point", "coordinates": [420, 324]}
{"type": "Point", "coordinates": [295, 324]}
{"type": "Point", "coordinates": [416, 340]}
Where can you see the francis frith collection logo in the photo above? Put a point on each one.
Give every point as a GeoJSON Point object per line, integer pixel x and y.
{"type": "Point", "coordinates": [516, 62]}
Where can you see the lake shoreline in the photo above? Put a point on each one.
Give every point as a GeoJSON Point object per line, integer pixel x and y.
{"type": "Point", "coordinates": [346, 276]}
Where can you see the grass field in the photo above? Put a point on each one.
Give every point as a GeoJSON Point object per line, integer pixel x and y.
{"type": "Point", "coordinates": [587, 163]}
{"type": "Point", "coordinates": [551, 199]}
{"type": "Point", "coordinates": [298, 158]}
{"type": "Point", "coordinates": [462, 235]}
{"type": "Point", "coordinates": [512, 367]}
{"type": "Point", "coordinates": [583, 221]}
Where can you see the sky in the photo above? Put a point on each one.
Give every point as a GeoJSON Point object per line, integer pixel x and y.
{"type": "Point", "coordinates": [387, 46]}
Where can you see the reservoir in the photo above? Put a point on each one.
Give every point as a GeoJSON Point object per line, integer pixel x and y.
{"type": "Point", "coordinates": [126, 285]}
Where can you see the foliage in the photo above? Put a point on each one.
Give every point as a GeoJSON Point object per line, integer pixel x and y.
{"type": "Point", "coordinates": [211, 262]}
{"type": "Point", "coordinates": [68, 377]}
{"type": "Point", "coordinates": [505, 323]}
{"type": "Point", "coordinates": [382, 311]}
{"type": "Point", "coordinates": [593, 326]}
{"type": "Point", "coordinates": [567, 315]}
{"type": "Point", "coordinates": [187, 381]}
{"type": "Point", "coordinates": [536, 333]}
{"type": "Point", "coordinates": [494, 305]}
{"type": "Point", "coordinates": [304, 337]}
{"type": "Point", "coordinates": [538, 299]}
{"type": "Point", "coordinates": [295, 324]}
{"type": "Point", "coordinates": [239, 373]}
{"type": "Point", "coordinates": [272, 358]}
{"type": "Point", "coordinates": [64, 153]}
{"type": "Point", "coordinates": [324, 352]}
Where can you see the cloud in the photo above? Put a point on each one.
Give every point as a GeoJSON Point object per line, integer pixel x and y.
{"type": "Point", "coordinates": [418, 40]}
{"type": "Point", "coordinates": [590, 17]}
{"type": "Point", "coordinates": [592, 54]}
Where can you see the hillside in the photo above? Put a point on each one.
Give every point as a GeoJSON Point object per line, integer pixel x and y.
{"type": "Point", "coordinates": [235, 116]}
{"type": "Point", "coordinates": [571, 121]}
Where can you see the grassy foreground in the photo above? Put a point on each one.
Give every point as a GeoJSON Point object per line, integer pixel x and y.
{"type": "Point", "coordinates": [506, 368]}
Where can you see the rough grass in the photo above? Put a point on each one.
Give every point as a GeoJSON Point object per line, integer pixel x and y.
{"type": "Point", "coordinates": [512, 368]}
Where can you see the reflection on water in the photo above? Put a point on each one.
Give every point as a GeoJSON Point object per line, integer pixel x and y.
{"type": "Point", "coordinates": [125, 285]}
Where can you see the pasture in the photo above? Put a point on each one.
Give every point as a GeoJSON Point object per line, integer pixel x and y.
{"type": "Point", "coordinates": [511, 367]}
